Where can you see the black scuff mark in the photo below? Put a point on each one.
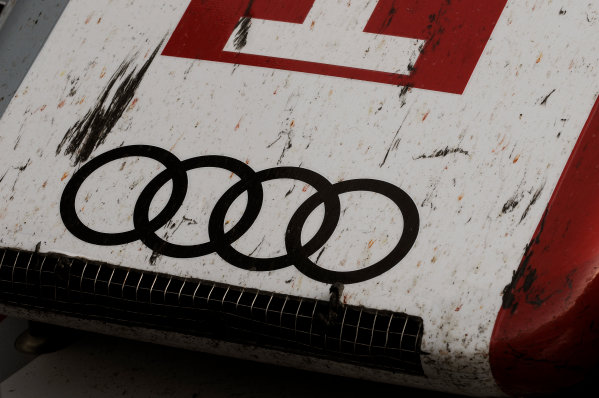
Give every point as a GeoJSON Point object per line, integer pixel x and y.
{"type": "Point", "coordinates": [173, 227]}
{"type": "Point", "coordinates": [22, 168]}
{"type": "Point", "coordinates": [290, 191]}
{"type": "Point", "coordinates": [534, 199]}
{"type": "Point", "coordinates": [91, 131]}
{"type": "Point", "coordinates": [544, 101]}
{"type": "Point", "coordinates": [440, 153]}
{"type": "Point", "coordinates": [3, 176]}
{"type": "Point", "coordinates": [403, 94]}
{"type": "Point", "coordinates": [511, 203]}
{"type": "Point", "coordinates": [562, 11]}
{"type": "Point", "coordinates": [17, 141]}
{"type": "Point", "coordinates": [286, 146]}
{"type": "Point", "coordinates": [537, 300]}
{"type": "Point", "coordinates": [243, 28]}
{"type": "Point", "coordinates": [530, 278]}
{"type": "Point", "coordinates": [395, 141]}
{"type": "Point", "coordinates": [257, 247]}
{"type": "Point", "coordinates": [431, 194]}
{"type": "Point", "coordinates": [523, 280]}
{"type": "Point", "coordinates": [390, 16]}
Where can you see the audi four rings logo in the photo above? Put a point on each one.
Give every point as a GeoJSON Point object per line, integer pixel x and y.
{"type": "Point", "coordinates": [220, 241]}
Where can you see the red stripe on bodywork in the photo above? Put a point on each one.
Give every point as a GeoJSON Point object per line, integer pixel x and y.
{"type": "Point", "coordinates": [546, 336]}
{"type": "Point", "coordinates": [456, 33]}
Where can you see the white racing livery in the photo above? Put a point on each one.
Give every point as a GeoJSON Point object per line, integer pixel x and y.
{"type": "Point", "coordinates": [387, 162]}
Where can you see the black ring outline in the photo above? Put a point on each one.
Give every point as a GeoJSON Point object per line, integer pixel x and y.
{"type": "Point", "coordinates": [217, 218]}
{"type": "Point", "coordinates": [68, 212]}
{"type": "Point", "coordinates": [158, 245]}
{"type": "Point", "coordinates": [411, 225]}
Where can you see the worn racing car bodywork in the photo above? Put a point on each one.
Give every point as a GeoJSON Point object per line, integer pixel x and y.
{"type": "Point", "coordinates": [395, 190]}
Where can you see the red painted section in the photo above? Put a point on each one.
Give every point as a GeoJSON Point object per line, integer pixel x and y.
{"type": "Point", "coordinates": [547, 334]}
{"type": "Point", "coordinates": [456, 34]}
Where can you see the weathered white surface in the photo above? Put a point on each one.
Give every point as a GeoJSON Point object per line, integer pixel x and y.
{"type": "Point", "coordinates": [478, 205]}
{"type": "Point", "coordinates": [337, 39]}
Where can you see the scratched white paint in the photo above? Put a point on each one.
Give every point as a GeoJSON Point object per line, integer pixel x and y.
{"type": "Point", "coordinates": [512, 145]}
{"type": "Point", "coordinates": [333, 33]}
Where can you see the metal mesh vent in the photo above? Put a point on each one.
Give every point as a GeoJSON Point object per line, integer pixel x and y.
{"type": "Point", "coordinates": [98, 291]}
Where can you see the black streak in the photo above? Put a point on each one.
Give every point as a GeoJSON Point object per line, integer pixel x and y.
{"type": "Point", "coordinates": [403, 93]}
{"type": "Point", "coordinates": [395, 141]}
{"type": "Point", "coordinates": [443, 152]}
{"type": "Point", "coordinates": [534, 199]}
{"type": "Point", "coordinates": [526, 270]}
{"type": "Point", "coordinates": [511, 203]}
{"type": "Point", "coordinates": [544, 102]}
{"type": "Point", "coordinates": [91, 131]}
{"type": "Point", "coordinates": [22, 168]}
{"type": "Point", "coordinates": [241, 37]}
{"type": "Point", "coordinates": [244, 24]}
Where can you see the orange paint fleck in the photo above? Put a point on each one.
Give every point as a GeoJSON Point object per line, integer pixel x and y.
{"type": "Point", "coordinates": [227, 222]}
{"type": "Point", "coordinates": [88, 19]}
{"type": "Point", "coordinates": [458, 308]}
{"type": "Point", "coordinates": [434, 259]}
{"type": "Point", "coordinates": [231, 176]}
{"type": "Point", "coordinates": [312, 25]}
{"type": "Point", "coordinates": [99, 20]}
{"type": "Point", "coordinates": [539, 57]}
{"type": "Point", "coordinates": [44, 184]}
{"type": "Point", "coordinates": [133, 103]}
{"type": "Point", "coordinates": [43, 107]}
{"type": "Point", "coordinates": [275, 92]}
{"type": "Point", "coordinates": [461, 197]}
{"type": "Point", "coordinates": [425, 115]}
{"type": "Point", "coordinates": [292, 123]}
{"type": "Point", "coordinates": [247, 161]}
{"type": "Point", "coordinates": [64, 176]}
{"type": "Point", "coordinates": [419, 264]}
{"type": "Point", "coordinates": [103, 73]}
{"type": "Point", "coordinates": [516, 158]}
{"type": "Point", "coordinates": [82, 101]}
{"type": "Point", "coordinates": [237, 125]}
{"type": "Point", "coordinates": [305, 188]}
{"type": "Point", "coordinates": [61, 104]}
{"type": "Point", "coordinates": [370, 244]}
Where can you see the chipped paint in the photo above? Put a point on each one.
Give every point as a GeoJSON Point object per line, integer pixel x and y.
{"type": "Point", "coordinates": [479, 147]}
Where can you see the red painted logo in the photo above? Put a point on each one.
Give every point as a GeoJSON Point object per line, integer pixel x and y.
{"type": "Point", "coordinates": [453, 35]}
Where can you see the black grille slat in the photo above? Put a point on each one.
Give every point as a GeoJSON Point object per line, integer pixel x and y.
{"type": "Point", "coordinates": [103, 292]}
